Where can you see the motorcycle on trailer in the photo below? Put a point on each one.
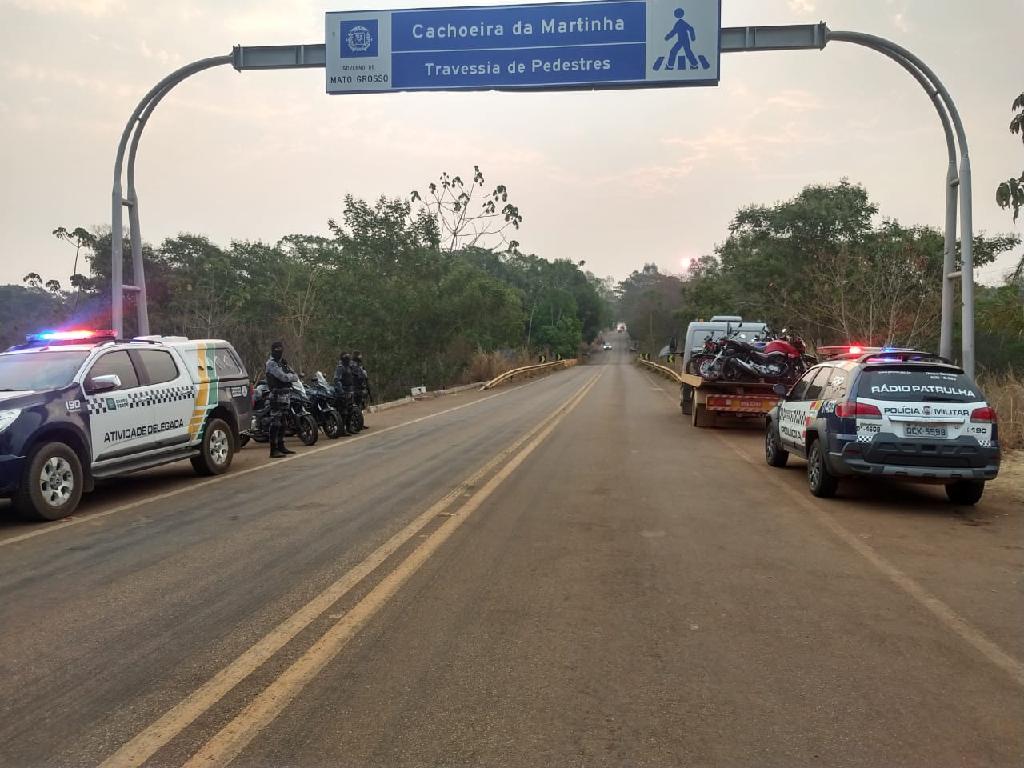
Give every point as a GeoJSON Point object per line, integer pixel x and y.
{"type": "Point", "coordinates": [774, 359]}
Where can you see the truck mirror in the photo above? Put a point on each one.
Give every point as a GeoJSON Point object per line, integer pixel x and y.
{"type": "Point", "coordinates": [780, 390]}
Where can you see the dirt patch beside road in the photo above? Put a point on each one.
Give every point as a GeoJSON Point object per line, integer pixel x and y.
{"type": "Point", "coordinates": [1010, 483]}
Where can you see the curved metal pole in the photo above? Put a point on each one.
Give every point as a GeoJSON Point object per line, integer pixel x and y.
{"type": "Point", "coordinates": [117, 201]}
{"type": "Point", "coordinates": [901, 55]}
{"type": "Point", "coordinates": [952, 182]}
{"type": "Point", "coordinates": [138, 264]}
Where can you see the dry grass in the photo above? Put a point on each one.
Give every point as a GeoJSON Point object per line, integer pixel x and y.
{"type": "Point", "coordinates": [1005, 393]}
{"type": "Point", "coordinates": [485, 366]}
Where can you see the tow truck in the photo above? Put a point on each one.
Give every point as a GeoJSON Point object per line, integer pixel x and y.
{"type": "Point", "coordinates": [710, 403]}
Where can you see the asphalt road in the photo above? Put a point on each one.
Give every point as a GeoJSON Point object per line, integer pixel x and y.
{"type": "Point", "coordinates": [562, 572]}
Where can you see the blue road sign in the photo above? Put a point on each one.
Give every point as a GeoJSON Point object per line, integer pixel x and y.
{"type": "Point", "coordinates": [549, 46]}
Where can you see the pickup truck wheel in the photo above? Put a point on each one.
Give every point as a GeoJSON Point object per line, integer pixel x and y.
{"type": "Point", "coordinates": [217, 449]}
{"type": "Point", "coordinates": [822, 483]}
{"type": "Point", "coordinates": [51, 485]}
{"type": "Point", "coordinates": [774, 453]}
{"type": "Point", "coordinates": [966, 492]}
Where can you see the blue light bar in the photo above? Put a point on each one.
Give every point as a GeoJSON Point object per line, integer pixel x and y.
{"type": "Point", "coordinates": [81, 334]}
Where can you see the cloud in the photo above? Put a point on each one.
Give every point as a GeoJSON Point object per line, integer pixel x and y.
{"type": "Point", "coordinates": [801, 6]}
{"type": "Point", "coordinates": [742, 144]}
{"type": "Point", "coordinates": [793, 100]}
{"type": "Point", "coordinates": [84, 7]}
{"type": "Point", "coordinates": [748, 141]}
{"type": "Point", "coordinates": [65, 77]}
{"type": "Point", "coordinates": [161, 55]}
{"type": "Point", "coordinates": [280, 19]}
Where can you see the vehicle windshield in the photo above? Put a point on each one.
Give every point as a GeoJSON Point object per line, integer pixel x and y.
{"type": "Point", "coordinates": [901, 384]}
{"type": "Point", "coordinates": [39, 370]}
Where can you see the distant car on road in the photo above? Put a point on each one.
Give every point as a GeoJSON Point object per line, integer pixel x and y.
{"type": "Point", "coordinates": [78, 406]}
{"type": "Point", "coordinates": [901, 414]}
{"type": "Point", "coordinates": [607, 346]}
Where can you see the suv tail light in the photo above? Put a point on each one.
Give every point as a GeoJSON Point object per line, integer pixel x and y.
{"type": "Point", "coordinates": [985, 415]}
{"type": "Point", "coordinates": [852, 410]}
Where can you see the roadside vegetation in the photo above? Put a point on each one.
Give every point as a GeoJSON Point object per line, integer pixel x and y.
{"type": "Point", "coordinates": [431, 288]}
{"type": "Point", "coordinates": [1005, 393]}
{"type": "Point", "coordinates": [829, 267]}
{"type": "Point", "coordinates": [435, 291]}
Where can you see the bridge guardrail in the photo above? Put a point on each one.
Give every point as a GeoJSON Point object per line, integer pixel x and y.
{"type": "Point", "coordinates": [527, 369]}
{"type": "Point", "coordinates": [664, 370]}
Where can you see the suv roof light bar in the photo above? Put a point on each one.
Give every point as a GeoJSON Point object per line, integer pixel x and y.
{"type": "Point", "coordinates": [69, 336]}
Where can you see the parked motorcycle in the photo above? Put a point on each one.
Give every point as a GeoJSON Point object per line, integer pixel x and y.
{"type": "Point", "coordinates": [322, 406]}
{"type": "Point", "coordinates": [345, 404]}
{"type": "Point", "coordinates": [297, 417]}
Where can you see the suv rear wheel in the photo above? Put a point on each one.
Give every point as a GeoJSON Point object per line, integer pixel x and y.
{"type": "Point", "coordinates": [774, 453]}
{"type": "Point", "coordinates": [51, 486]}
{"type": "Point", "coordinates": [965, 492]}
{"type": "Point", "coordinates": [217, 449]}
{"type": "Point", "coordinates": [823, 484]}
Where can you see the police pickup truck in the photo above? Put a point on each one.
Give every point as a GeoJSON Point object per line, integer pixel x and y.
{"type": "Point", "coordinates": [79, 406]}
{"type": "Point", "coordinates": [902, 414]}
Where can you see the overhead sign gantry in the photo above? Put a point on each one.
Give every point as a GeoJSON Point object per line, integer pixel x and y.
{"type": "Point", "coordinates": [604, 44]}
{"type": "Point", "coordinates": [550, 46]}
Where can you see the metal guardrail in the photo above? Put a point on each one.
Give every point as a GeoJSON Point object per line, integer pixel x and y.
{"type": "Point", "coordinates": [527, 369]}
{"type": "Point", "coordinates": [664, 370]}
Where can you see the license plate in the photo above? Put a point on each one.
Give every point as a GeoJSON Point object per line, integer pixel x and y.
{"type": "Point", "coordinates": [924, 430]}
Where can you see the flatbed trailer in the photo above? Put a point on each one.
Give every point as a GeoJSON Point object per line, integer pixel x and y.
{"type": "Point", "coordinates": [710, 403]}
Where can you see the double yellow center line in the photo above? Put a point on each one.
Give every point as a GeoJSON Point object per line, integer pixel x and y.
{"type": "Point", "coordinates": [229, 742]}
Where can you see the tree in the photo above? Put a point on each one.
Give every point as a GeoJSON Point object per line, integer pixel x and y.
{"type": "Point", "coordinates": [26, 309]}
{"type": "Point", "coordinates": [820, 263]}
{"type": "Point", "coordinates": [416, 285]}
{"type": "Point", "coordinates": [1010, 194]}
{"type": "Point", "coordinates": [648, 303]}
{"type": "Point", "coordinates": [78, 238]}
{"type": "Point", "coordinates": [466, 216]}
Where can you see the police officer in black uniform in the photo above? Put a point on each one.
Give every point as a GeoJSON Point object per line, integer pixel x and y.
{"type": "Point", "coordinates": [344, 385]}
{"type": "Point", "coordinates": [279, 381]}
{"type": "Point", "coordinates": [362, 382]}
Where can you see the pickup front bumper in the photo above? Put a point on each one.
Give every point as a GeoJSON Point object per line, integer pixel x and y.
{"type": "Point", "coordinates": [11, 470]}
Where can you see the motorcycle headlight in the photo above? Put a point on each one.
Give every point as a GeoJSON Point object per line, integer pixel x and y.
{"type": "Point", "coordinates": [7, 417]}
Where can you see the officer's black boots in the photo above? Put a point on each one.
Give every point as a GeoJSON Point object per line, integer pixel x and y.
{"type": "Point", "coordinates": [275, 442]}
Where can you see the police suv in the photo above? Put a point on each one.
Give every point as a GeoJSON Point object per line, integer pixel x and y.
{"type": "Point", "coordinates": [78, 406]}
{"type": "Point", "coordinates": [895, 413]}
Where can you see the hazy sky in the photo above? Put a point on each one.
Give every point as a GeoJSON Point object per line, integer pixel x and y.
{"type": "Point", "coordinates": [617, 178]}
